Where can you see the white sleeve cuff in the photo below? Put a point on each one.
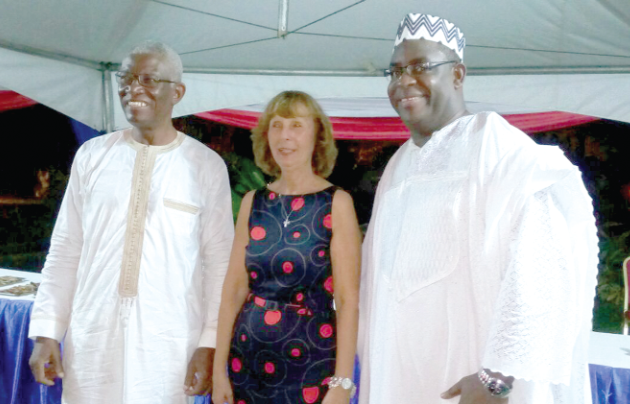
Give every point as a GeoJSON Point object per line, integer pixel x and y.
{"type": "Point", "coordinates": [208, 338]}
{"type": "Point", "coordinates": [46, 327]}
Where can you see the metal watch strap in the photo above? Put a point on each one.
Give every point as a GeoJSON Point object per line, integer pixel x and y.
{"type": "Point", "coordinates": [496, 387]}
{"type": "Point", "coordinates": [344, 382]}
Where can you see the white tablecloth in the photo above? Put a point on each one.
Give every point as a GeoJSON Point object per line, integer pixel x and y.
{"type": "Point", "coordinates": [29, 276]}
{"type": "Point", "coordinates": [611, 350]}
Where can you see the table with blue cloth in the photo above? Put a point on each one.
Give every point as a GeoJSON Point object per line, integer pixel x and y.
{"type": "Point", "coordinates": [609, 362]}
{"type": "Point", "coordinates": [609, 358]}
{"type": "Point", "coordinates": [17, 385]}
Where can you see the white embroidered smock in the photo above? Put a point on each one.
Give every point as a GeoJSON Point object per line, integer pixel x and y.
{"type": "Point", "coordinates": [135, 269]}
{"type": "Point", "coordinates": [481, 252]}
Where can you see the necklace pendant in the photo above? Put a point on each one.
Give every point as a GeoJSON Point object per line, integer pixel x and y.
{"type": "Point", "coordinates": [286, 222]}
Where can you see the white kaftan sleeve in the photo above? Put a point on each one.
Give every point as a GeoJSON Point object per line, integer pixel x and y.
{"type": "Point", "coordinates": [542, 317]}
{"type": "Point", "coordinates": [53, 305]}
{"type": "Point", "coordinates": [217, 234]}
{"type": "Point", "coordinates": [365, 349]}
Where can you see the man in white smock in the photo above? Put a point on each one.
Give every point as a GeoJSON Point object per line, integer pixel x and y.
{"type": "Point", "coordinates": [138, 254]}
{"type": "Point", "coordinates": [480, 261]}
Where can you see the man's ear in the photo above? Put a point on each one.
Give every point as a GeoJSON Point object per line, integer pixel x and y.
{"type": "Point", "coordinates": [178, 94]}
{"type": "Point", "coordinates": [459, 74]}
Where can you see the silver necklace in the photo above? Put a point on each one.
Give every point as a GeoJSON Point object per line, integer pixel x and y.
{"type": "Point", "coordinates": [285, 214]}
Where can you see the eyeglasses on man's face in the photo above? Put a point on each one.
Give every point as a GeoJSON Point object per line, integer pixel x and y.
{"type": "Point", "coordinates": [125, 79]}
{"type": "Point", "coordinates": [414, 70]}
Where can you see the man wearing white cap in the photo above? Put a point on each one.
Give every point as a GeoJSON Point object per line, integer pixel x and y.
{"type": "Point", "coordinates": [480, 260]}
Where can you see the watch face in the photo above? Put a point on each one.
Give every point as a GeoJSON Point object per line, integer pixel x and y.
{"type": "Point", "coordinates": [346, 384]}
{"type": "Point", "coordinates": [498, 388]}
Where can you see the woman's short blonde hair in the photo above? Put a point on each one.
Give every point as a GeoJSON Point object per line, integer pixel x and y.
{"type": "Point", "coordinates": [287, 105]}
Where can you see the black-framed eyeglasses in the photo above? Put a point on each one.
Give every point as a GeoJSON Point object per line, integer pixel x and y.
{"type": "Point", "coordinates": [414, 70]}
{"type": "Point", "coordinates": [125, 79]}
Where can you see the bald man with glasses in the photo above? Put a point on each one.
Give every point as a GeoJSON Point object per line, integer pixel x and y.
{"type": "Point", "coordinates": [132, 281]}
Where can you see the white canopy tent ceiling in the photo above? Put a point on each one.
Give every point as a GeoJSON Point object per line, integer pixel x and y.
{"type": "Point", "coordinates": [560, 55]}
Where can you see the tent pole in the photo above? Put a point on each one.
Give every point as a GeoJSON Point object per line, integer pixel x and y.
{"type": "Point", "coordinates": [283, 18]}
{"type": "Point", "coordinates": [108, 98]}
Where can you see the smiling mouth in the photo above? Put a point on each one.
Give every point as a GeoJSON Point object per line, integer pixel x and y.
{"type": "Point", "coordinates": [285, 151]}
{"type": "Point", "coordinates": [137, 104]}
{"type": "Point", "coordinates": [408, 101]}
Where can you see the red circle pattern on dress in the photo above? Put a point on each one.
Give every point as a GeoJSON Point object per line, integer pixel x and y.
{"type": "Point", "coordinates": [273, 317]}
{"type": "Point", "coordinates": [328, 221]}
{"type": "Point", "coordinates": [310, 394]}
{"type": "Point", "coordinates": [328, 285]}
{"type": "Point", "coordinates": [237, 365]}
{"type": "Point", "coordinates": [326, 330]}
{"type": "Point", "coordinates": [297, 204]}
{"type": "Point", "coordinates": [270, 367]}
{"type": "Point", "coordinates": [258, 233]}
{"type": "Point", "coordinates": [287, 267]}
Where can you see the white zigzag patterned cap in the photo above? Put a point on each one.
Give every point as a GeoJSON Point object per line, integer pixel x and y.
{"type": "Point", "coordinates": [436, 29]}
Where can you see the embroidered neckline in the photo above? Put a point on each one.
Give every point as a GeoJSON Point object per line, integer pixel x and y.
{"type": "Point", "coordinates": [158, 149]}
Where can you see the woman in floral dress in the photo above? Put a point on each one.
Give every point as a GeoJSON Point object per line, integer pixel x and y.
{"type": "Point", "coordinates": [289, 310]}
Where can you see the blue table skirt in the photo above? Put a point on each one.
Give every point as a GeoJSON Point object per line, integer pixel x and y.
{"type": "Point", "coordinates": [17, 385]}
{"type": "Point", "coordinates": [610, 385]}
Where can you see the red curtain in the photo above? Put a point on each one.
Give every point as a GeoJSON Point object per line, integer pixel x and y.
{"type": "Point", "coordinates": [12, 100]}
{"type": "Point", "coordinates": [390, 128]}
{"type": "Point", "coordinates": [393, 128]}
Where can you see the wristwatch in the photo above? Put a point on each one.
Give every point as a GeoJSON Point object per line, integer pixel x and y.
{"type": "Point", "coordinates": [496, 387]}
{"type": "Point", "coordinates": [345, 383]}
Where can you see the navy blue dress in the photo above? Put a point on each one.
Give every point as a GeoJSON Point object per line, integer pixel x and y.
{"type": "Point", "coordinates": [283, 346]}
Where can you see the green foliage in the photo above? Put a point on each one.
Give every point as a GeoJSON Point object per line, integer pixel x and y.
{"type": "Point", "coordinates": [614, 247]}
{"type": "Point", "coordinates": [610, 290]}
{"type": "Point", "coordinates": [244, 176]}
